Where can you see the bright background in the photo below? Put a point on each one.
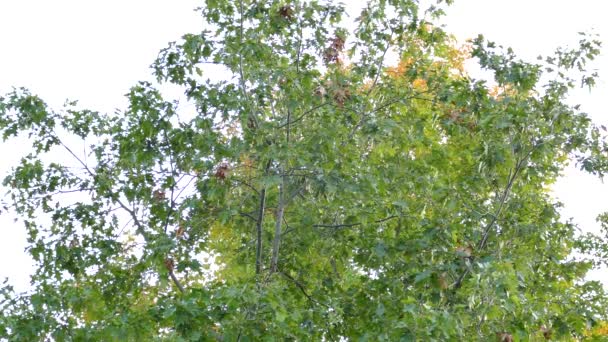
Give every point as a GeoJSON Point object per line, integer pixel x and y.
{"type": "Point", "coordinates": [94, 51]}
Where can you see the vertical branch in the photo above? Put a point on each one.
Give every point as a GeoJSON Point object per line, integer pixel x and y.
{"type": "Point", "coordinates": [300, 38]}
{"type": "Point", "coordinates": [258, 229]}
{"type": "Point", "coordinates": [519, 165]}
{"type": "Point", "coordinates": [171, 212]}
{"type": "Point", "coordinates": [288, 126]}
{"type": "Point", "coordinates": [277, 228]}
{"type": "Point", "coordinates": [260, 225]}
{"type": "Point", "coordinates": [280, 209]}
{"type": "Point", "coordinates": [252, 115]}
{"type": "Point", "coordinates": [173, 183]}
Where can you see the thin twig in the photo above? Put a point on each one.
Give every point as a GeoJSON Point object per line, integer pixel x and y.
{"type": "Point", "coordinates": [304, 114]}
{"type": "Point", "coordinates": [186, 186]}
{"type": "Point", "coordinates": [172, 201]}
{"type": "Point", "coordinates": [131, 212]}
{"type": "Point", "coordinates": [300, 38]}
{"type": "Point", "coordinates": [249, 216]}
{"type": "Point", "coordinates": [246, 184]}
{"type": "Point", "coordinates": [281, 207]}
{"type": "Point", "coordinates": [241, 72]}
{"type": "Point", "coordinates": [503, 199]}
{"type": "Point", "coordinates": [364, 116]}
{"type": "Point", "coordinates": [302, 289]}
{"type": "Point", "coordinates": [347, 225]}
{"type": "Point", "coordinates": [379, 67]}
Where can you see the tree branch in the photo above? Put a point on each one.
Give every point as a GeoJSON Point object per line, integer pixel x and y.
{"type": "Point", "coordinates": [277, 228]}
{"type": "Point", "coordinates": [173, 183]}
{"type": "Point", "coordinates": [258, 229]}
{"type": "Point", "coordinates": [249, 216]}
{"type": "Point", "coordinates": [136, 221]}
{"type": "Point", "coordinates": [281, 207]}
{"type": "Point", "coordinates": [379, 66]}
{"type": "Point", "coordinates": [302, 289]}
{"type": "Point", "coordinates": [304, 114]}
{"type": "Point", "coordinates": [503, 199]}
{"type": "Point", "coordinates": [259, 225]}
{"type": "Point", "coordinates": [176, 281]}
{"type": "Point", "coordinates": [242, 73]}
{"type": "Point", "coordinates": [348, 225]}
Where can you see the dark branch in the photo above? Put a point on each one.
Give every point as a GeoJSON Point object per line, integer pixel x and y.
{"type": "Point", "coordinates": [303, 115]}
{"type": "Point", "coordinates": [138, 224]}
{"type": "Point", "coordinates": [259, 226]}
{"type": "Point", "coordinates": [176, 281]}
{"type": "Point", "coordinates": [503, 199]}
{"type": "Point", "coordinates": [276, 242]}
{"type": "Point", "coordinates": [348, 225]}
{"type": "Point", "coordinates": [302, 289]}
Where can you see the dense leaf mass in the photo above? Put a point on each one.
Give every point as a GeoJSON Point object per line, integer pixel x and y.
{"type": "Point", "coordinates": [310, 190]}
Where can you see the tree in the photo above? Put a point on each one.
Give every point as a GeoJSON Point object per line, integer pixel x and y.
{"type": "Point", "coordinates": [314, 192]}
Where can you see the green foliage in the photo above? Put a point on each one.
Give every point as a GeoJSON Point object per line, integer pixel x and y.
{"type": "Point", "coordinates": [311, 192]}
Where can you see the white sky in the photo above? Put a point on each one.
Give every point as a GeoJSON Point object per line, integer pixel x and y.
{"type": "Point", "coordinates": [93, 51]}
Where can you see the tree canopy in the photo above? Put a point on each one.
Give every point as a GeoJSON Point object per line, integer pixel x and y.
{"type": "Point", "coordinates": [311, 189]}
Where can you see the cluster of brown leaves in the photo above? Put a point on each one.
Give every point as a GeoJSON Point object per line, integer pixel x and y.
{"type": "Point", "coordinates": [286, 12]}
{"type": "Point", "coordinates": [340, 95]}
{"type": "Point", "coordinates": [459, 117]}
{"type": "Point", "coordinates": [169, 264]}
{"type": "Point", "coordinates": [180, 232]}
{"type": "Point", "coordinates": [222, 171]}
{"type": "Point", "coordinates": [159, 195]}
{"type": "Point", "coordinates": [339, 92]}
{"type": "Point", "coordinates": [504, 337]}
{"type": "Point", "coordinates": [464, 251]}
{"type": "Point", "coordinates": [547, 333]}
{"type": "Point", "coordinates": [333, 51]}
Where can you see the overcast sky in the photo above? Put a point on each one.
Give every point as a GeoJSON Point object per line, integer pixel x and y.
{"type": "Point", "coordinates": [93, 51]}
